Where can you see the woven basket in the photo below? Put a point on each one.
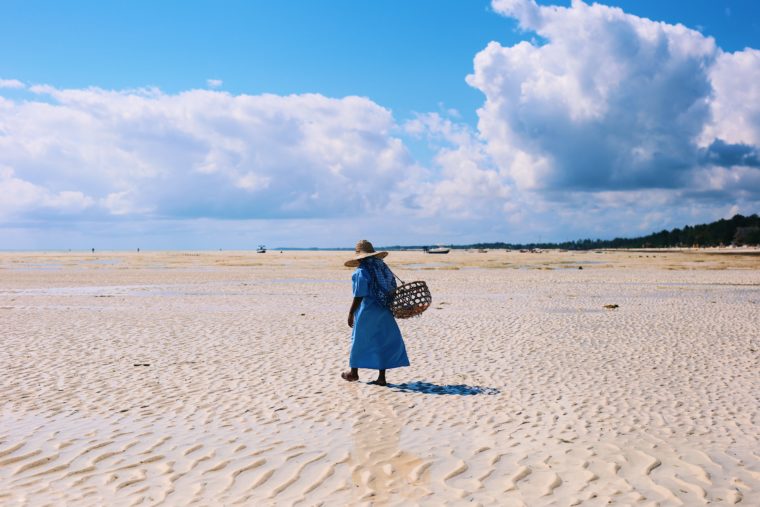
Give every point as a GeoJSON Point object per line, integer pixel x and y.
{"type": "Point", "coordinates": [410, 300]}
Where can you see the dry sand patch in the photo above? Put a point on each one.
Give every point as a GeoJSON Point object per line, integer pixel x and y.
{"type": "Point", "coordinates": [167, 378]}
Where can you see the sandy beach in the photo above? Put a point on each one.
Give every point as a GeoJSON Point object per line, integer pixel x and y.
{"type": "Point", "coordinates": [212, 378]}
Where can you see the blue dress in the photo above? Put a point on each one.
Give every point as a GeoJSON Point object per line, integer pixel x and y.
{"type": "Point", "coordinates": [376, 341]}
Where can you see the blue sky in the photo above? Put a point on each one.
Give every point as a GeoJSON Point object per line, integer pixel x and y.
{"type": "Point", "coordinates": [395, 52]}
{"type": "Point", "coordinates": [407, 56]}
{"type": "Point", "coordinates": [119, 133]}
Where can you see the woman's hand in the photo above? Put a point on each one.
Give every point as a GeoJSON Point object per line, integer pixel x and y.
{"type": "Point", "coordinates": [354, 308]}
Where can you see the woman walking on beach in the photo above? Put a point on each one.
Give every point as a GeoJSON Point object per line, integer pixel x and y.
{"type": "Point", "coordinates": [376, 341]}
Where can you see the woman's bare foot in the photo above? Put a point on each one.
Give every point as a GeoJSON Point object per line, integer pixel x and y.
{"type": "Point", "coordinates": [380, 379]}
{"type": "Point", "coordinates": [350, 376]}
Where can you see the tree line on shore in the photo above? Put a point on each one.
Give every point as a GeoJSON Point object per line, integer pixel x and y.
{"type": "Point", "coordinates": [738, 230]}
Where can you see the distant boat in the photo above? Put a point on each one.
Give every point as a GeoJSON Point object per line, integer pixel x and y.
{"type": "Point", "coordinates": [438, 250]}
{"type": "Point", "coordinates": [261, 249]}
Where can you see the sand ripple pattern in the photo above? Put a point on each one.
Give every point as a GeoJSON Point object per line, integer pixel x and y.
{"type": "Point", "coordinates": [212, 379]}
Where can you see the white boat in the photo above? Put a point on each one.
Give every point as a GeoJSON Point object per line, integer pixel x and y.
{"type": "Point", "coordinates": [261, 249]}
{"type": "Point", "coordinates": [438, 250]}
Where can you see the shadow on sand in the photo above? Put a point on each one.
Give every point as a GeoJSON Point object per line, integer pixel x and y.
{"type": "Point", "coordinates": [428, 388]}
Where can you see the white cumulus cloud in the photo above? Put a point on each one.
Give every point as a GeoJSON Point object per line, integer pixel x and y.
{"type": "Point", "coordinates": [11, 83]}
{"type": "Point", "coordinates": [735, 103]}
{"type": "Point", "coordinates": [204, 153]}
{"type": "Point", "coordinates": [22, 196]}
{"type": "Point", "coordinates": [603, 107]}
{"type": "Point", "coordinates": [609, 101]}
{"type": "Point", "coordinates": [465, 184]}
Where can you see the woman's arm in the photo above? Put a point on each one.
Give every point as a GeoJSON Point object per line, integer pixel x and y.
{"type": "Point", "coordinates": [354, 307]}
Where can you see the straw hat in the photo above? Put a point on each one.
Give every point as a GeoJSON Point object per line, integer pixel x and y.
{"type": "Point", "coordinates": [364, 249]}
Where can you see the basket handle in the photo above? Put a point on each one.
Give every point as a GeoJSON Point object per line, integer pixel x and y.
{"type": "Point", "coordinates": [397, 278]}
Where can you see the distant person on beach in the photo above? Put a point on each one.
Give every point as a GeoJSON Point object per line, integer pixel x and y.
{"type": "Point", "coordinates": [376, 341]}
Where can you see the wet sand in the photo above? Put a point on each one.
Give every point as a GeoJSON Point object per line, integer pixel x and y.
{"type": "Point", "coordinates": [213, 378]}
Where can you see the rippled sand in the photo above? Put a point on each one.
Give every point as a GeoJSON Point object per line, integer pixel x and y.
{"type": "Point", "coordinates": [213, 378]}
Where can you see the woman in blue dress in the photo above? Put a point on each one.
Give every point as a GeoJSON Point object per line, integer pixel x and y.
{"type": "Point", "coordinates": [376, 341]}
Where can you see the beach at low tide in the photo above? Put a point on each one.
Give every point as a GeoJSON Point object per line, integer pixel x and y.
{"type": "Point", "coordinates": [213, 378]}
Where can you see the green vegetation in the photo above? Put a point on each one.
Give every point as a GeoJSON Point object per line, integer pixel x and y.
{"type": "Point", "coordinates": [739, 230]}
